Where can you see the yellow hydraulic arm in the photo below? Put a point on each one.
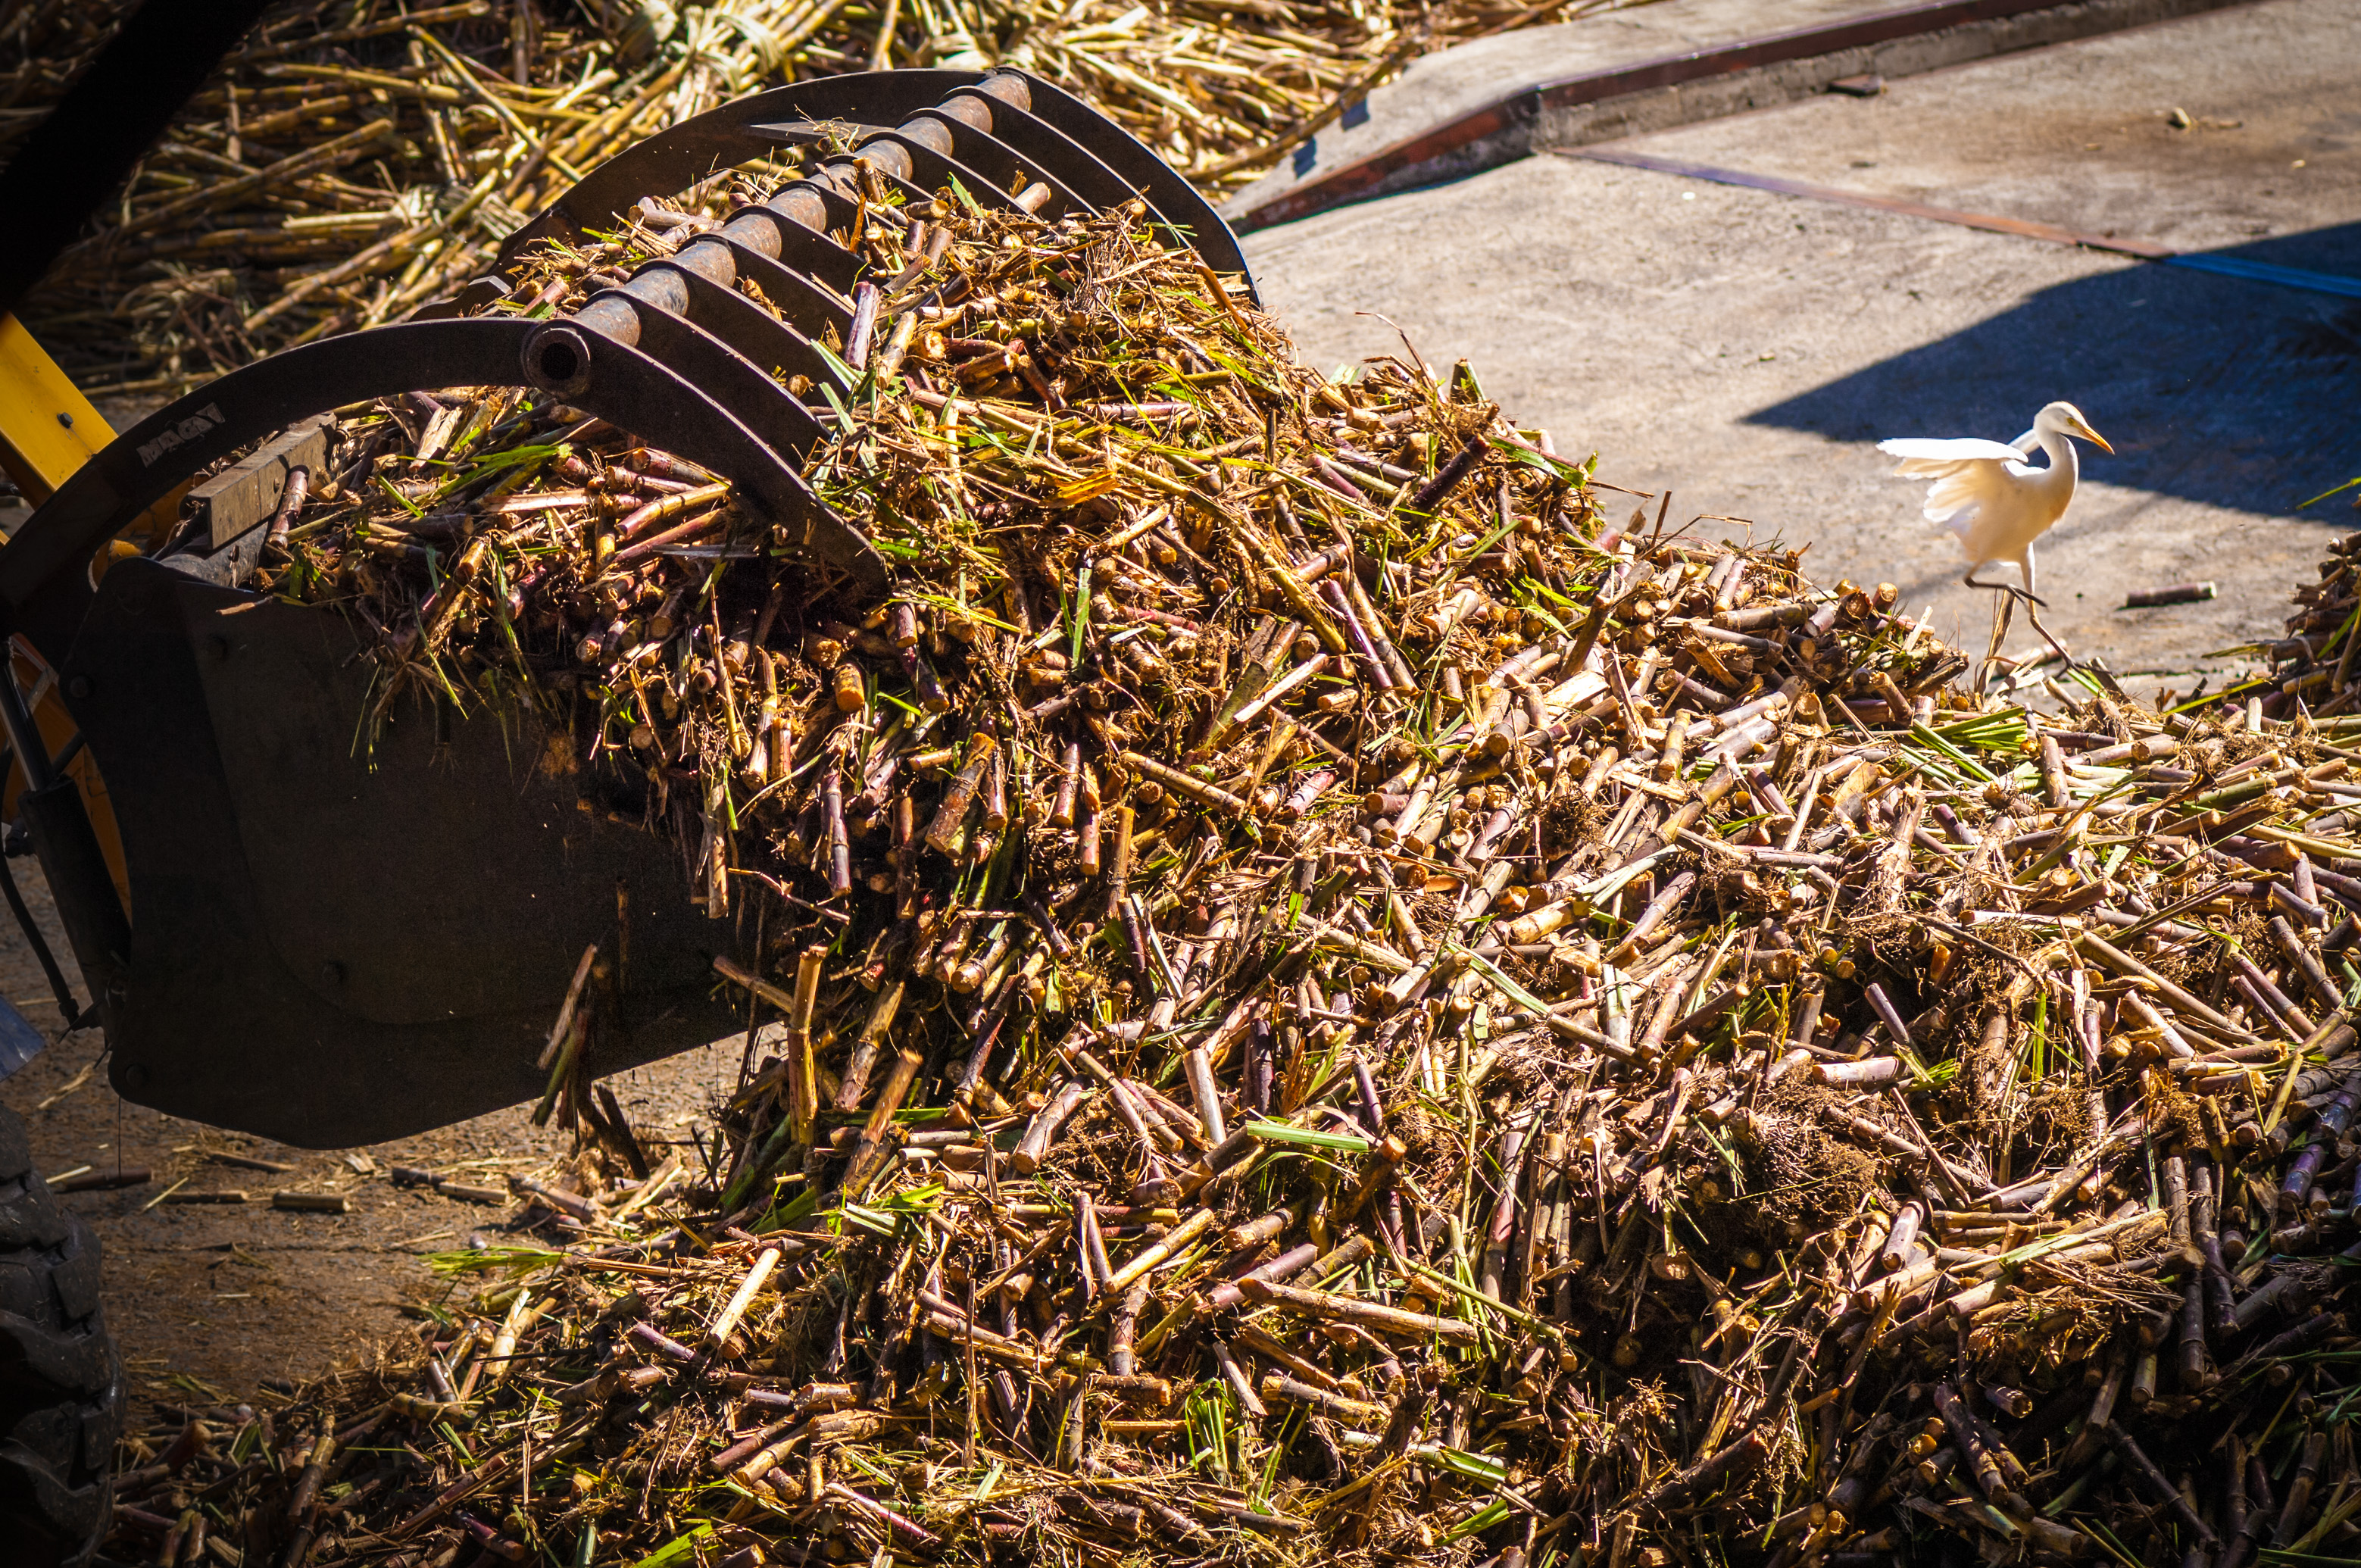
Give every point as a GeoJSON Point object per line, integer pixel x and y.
{"type": "Point", "coordinates": [48, 429]}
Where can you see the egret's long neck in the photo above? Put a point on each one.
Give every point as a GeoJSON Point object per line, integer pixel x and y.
{"type": "Point", "coordinates": [2064, 467]}
{"type": "Point", "coordinates": [2062, 457]}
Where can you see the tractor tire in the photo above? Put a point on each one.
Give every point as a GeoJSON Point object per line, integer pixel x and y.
{"type": "Point", "coordinates": [61, 1381]}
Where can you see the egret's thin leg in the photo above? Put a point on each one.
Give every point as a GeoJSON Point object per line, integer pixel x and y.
{"type": "Point", "coordinates": [2056, 647]}
{"type": "Point", "coordinates": [2011, 589]}
{"type": "Point", "coordinates": [2034, 615]}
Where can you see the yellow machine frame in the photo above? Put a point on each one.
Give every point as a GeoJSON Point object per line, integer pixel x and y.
{"type": "Point", "coordinates": [48, 428]}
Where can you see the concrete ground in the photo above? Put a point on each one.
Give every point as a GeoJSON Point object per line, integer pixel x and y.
{"type": "Point", "coordinates": [1748, 350]}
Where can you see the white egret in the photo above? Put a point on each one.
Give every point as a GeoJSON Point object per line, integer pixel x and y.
{"type": "Point", "coordinates": [1997, 503]}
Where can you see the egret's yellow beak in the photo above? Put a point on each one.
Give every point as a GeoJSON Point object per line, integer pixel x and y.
{"type": "Point", "coordinates": [2093, 437]}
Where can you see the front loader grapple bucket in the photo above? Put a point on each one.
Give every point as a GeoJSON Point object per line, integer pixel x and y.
{"type": "Point", "coordinates": [331, 940]}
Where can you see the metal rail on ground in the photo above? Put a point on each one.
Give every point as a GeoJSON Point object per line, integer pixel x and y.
{"type": "Point", "coordinates": [1694, 86]}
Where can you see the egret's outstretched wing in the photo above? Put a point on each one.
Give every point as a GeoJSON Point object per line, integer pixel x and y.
{"type": "Point", "coordinates": [2028, 444]}
{"type": "Point", "coordinates": [1965, 449]}
{"type": "Point", "coordinates": [1969, 475]}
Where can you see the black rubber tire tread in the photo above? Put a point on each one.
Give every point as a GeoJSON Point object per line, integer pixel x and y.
{"type": "Point", "coordinates": [61, 1381]}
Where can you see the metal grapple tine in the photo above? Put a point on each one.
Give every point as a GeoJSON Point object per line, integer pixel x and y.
{"type": "Point", "coordinates": [1180, 206]}
{"type": "Point", "coordinates": [952, 140]}
{"type": "Point", "coordinates": [44, 589]}
{"type": "Point", "coordinates": [994, 162]}
{"type": "Point", "coordinates": [845, 174]}
{"type": "Point", "coordinates": [929, 167]}
{"type": "Point", "coordinates": [807, 246]}
{"type": "Point", "coordinates": [837, 179]}
{"type": "Point", "coordinates": [686, 308]}
{"type": "Point", "coordinates": [677, 157]}
{"type": "Point", "coordinates": [1085, 159]}
{"type": "Point", "coordinates": [805, 308]}
{"type": "Point", "coordinates": [1045, 146]}
{"type": "Point", "coordinates": [709, 333]}
{"type": "Point", "coordinates": [973, 121]}
{"type": "Point", "coordinates": [792, 230]}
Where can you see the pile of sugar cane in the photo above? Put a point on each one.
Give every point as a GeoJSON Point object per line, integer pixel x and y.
{"type": "Point", "coordinates": [1323, 995]}
{"type": "Point", "coordinates": [2313, 664]}
{"type": "Point", "coordinates": [356, 159]}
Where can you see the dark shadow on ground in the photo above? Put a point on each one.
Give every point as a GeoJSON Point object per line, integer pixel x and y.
{"type": "Point", "coordinates": [2215, 389]}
